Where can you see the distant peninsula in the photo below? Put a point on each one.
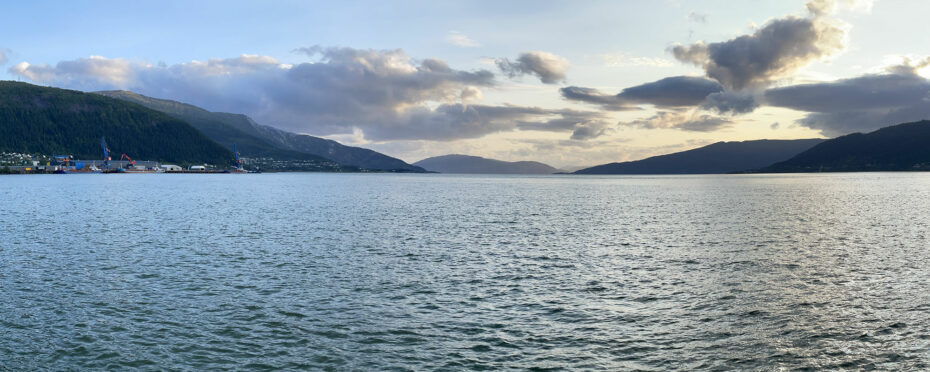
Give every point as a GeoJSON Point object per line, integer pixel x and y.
{"type": "Point", "coordinates": [902, 147]}
{"type": "Point", "coordinates": [720, 157]}
{"type": "Point", "coordinates": [476, 165]}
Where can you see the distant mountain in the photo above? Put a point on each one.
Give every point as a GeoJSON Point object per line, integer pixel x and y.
{"type": "Point", "coordinates": [50, 121]}
{"type": "Point", "coordinates": [901, 147]}
{"type": "Point", "coordinates": [475, 164]}
{"type": "Point", "coordinates": [361, 157]}
{"type": "Point", "coordinates": [720, 157]}
{"type": "Point", "coordinates": [257, 141]}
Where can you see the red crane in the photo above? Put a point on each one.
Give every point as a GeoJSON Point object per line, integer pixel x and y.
{"type": "Point", "coordinates": [131, 162]}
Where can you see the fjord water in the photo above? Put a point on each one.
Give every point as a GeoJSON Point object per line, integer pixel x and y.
{"type": "Point", "coordinates": [381, 271]}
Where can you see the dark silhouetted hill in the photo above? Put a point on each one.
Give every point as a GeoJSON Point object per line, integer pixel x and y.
{"type": "Point", "coordinates": [901, 147]}
{"type": "Point", "coordinates": [256, 140]}
{"type": "Point", "coordinates": [35, 119]}
{"type": "Point", "coordinates": [357, 156]}
{"type": "Point", "coordinates": [720, 157]}
{"type": "Point", "coordinates": [475, 164]}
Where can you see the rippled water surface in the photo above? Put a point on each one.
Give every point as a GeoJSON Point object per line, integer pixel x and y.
{"type": "Point", "coordinates": [414, 272]}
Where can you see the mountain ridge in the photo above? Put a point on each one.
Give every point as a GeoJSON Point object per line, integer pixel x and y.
{"type": "Point", "coordinates": [468, 164]}
{"type": "Point", "coordinates": [901, 147]}
{"type": "Point", "coordinates": [716, 158]}
{"type": "Point", "coordinates": [46, 120]}
{"type": "Point", "coordinates": [257, 140]}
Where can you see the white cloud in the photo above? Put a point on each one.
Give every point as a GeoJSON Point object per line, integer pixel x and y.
{"type": "Point", "coordinates": [460, 39]}
{"type": "Point", "coordinates": [83, 71]}
{"type": "Point", "coordinates": [626, 60]}
{"type": "Point", "coordinates": [827, 7]}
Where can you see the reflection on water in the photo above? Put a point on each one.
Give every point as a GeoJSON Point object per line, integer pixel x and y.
{"type": "Point", "coordinates": [432, 271]}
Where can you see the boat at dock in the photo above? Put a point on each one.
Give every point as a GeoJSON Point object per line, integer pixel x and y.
{"type": "Point", "coordinates": [136, 169]}
{"type": "Point", "coordinates": [79, 170]}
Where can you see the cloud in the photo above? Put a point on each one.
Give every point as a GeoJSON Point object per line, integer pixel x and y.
{"type": "Point", "coordinates": [584, 125]}
{"type": "Point", "coordinates": [774, 51]}
{"type": "Point", "coordinates": [672, 91]}
{"type": "Point", "coordinates": [687, 121]}
{"type": "Point", "coordinates": [624, 60]}
{"type": "Point", "coordinates": [730, 103]}
{"type": "Point", "coordinates": [459, 39]}
{"type": "Point", "coordinates": [4, 52]}
{"type": "Point", "coordinates": [92, 71]}
{"type": "Point", "coordinates": [867, 92]}
{"type": "Point", "coordinates": [861, 6]}
{"type": "Point", "coordinates": [697, 17]}
{"type": "Point", "coordinates": [589, 130]}
{"type": "Point", "coordinates": [97, 72]}
{"type": "Point", "coordinates": [457, 121]}
{"type": "Point", "coordinates": [820, 8]}
{"type": "Point", "coordinates": [593, 96]}
{"type": "Point", "coordinates": [675, 91]}
{"type": "Point", "coordinates": [858, 104]}
{"type": "Point", "coordinates": [548, 67]}
{"type": "Point", "coordinates": [907, 66]}
{"type": "Point", "coordinates": [383, 93]}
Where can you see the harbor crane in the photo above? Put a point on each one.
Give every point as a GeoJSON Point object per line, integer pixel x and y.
{"type": "Point", "coordinates": [132, 163]}
{"type": "Point", "coordinates": [106, 153]}
{"type": "Point", "coordinates": [238, 161]}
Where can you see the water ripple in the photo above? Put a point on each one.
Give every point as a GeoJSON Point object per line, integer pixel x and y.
{"type": "Point", "coordinates": [422, 272]}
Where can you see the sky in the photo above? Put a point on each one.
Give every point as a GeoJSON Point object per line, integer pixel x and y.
{"type": "Point", "coordinates": [568, 83]}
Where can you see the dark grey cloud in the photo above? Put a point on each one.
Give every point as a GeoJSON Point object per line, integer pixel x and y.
{"type": "Point", "coordinates": [679, 96]}
{"type": "Point", "coordinates": [730, 103]}
{"type": "Point", "coordinates": [457, 121]}
{"type": "Point", "coordinates": [869, 92]}
{"type": "Point", "coordinates": [704, 123]}
{"type": "Point", "coordinates": [584, 125]}
{"type": "Point", "coordinates": [908, 66]}
{"type": "Point", "coordinates": [687, 121]}
{"type": "Point", "coordinates": [858, 104]}
{"type": "Point", "coordinates": [548, 67]}
{"type": "Point", "coordinates": [589, 131]}
{"type": "Point", "coordinates": [450, 122]}
{"type": "Point", "coordinates": [775, 50]}
{"type": "Point", "coordinates": [672, 91]}
{"type": "Point", "coordinates": [593, 96]}
{"type": "Point", "coordinates": [384, 93]}
{"type": "Point", "coordinates": [740, 68]}
{"type": "Point", "coordinates": [676, 91]}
